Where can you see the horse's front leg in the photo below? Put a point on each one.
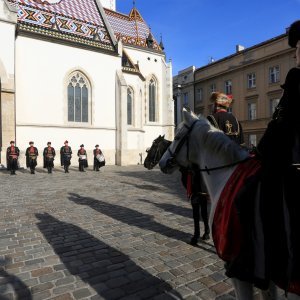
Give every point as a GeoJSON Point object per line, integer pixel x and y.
{"type": "Point", "coordinates": [243, 290]}
{"type": "Point", "coordinates": [271, 293]}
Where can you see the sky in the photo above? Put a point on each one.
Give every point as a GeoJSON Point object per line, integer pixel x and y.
{"type": "Point", "coordinates": [194, 31]}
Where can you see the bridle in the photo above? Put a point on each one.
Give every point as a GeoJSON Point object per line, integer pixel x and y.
{"type": "Point", "coordinates": [158, 152]}
{"type": "Point", "coordinates": [172, 162]}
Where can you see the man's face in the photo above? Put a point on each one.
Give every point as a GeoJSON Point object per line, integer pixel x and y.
{"type": "Point", "coordinates": [298, 54]}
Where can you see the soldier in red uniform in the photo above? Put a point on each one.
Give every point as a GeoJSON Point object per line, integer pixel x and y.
{"type": "Point", "coordinates": [31, 157]}
{"type": "Point", "coordinates": [99, 160]}
{"type": "Point", "coordinates": [49, 155]}
{"type": "Point", "coordinates": [65, 156]}
{"type": "Point", "coordinates": [82, 158]}
{"type": "Point", "coordinates": [12, 154]}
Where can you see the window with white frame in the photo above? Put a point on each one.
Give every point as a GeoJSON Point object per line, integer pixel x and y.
{"type": "Point", "coordinates": [252, 140]}
{"type": "Point", "coordinates": [274, 74]}
{"type": "Point", "coordinates": [199, 95]}
{"type": "Point", "coordinates": [213, 88]}
{"type": "Point", "coordinates": [152, 100]}
{"type": "Point", "coordinates": [251, 111]}
{"type": "Point", "coordinates": [78, 98]}
{"type": "Point", "coordinates": [251, 80]}
{"type": "Point", "coordinates": [273, 104]}
{"type": "Point", "coordinates": [130, 99]}
{"type": "Point", "coordinates": [228, 87]}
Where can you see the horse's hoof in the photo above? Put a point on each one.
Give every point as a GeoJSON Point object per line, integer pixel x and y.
{"type": "Point", "coordinates": [205, 237]}
{"type": "Point", "coordinates": [194, 241]}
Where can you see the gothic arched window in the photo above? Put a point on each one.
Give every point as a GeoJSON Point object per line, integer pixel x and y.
{"type": "Point", "coordinates": [130, 97]}
{"type": "Point", "coordinates": [78, 98]}
{"type": "Point", "coordinates": [152, 100]}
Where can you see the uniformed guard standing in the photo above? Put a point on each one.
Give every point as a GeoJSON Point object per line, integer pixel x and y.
{"type": "Point", "coordinates": [99, 160]}
{"type": "Point", "coordinates": [12, 155]}
{"type": "Point", "coordinates": [31, 157]}
{"type": "Point", "coordinates": [49, 155]}
{"type": "Point", "coordinates": [65, 156]}
{"type": "Point", "coordinates": [82, 158]}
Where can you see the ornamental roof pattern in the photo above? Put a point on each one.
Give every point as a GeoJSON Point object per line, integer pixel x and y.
{"type": "Point", "coordinates": [73, 20]}
{"type": "Point", "coordinates": [80, 21]}
{"type": "Point", "coordinates": [131, 29]}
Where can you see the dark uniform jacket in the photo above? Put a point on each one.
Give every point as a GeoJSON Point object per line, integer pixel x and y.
{"type": "Point", "coordinates": [9, 153]}
{"type": "Point", "coordinates": [84, 161]}
{"type": "Point", "coordinates": [46, 152]}
{"type": "Point", "coordinates": [65, 152]}
{"type": "Point", "coordinates": [228, 123]}
{"type": "Point", "coordinates": [28, 155]}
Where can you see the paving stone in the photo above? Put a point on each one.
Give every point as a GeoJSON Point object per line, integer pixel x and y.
{"type": "Point", "coordinates": [119, 234]}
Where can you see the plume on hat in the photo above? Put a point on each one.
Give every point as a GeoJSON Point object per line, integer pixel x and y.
{"type": "Point", "coordinates": [221, 99]}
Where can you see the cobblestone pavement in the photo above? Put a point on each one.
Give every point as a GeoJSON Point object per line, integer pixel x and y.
{"type": "Point", "coordinates": [121, 233]}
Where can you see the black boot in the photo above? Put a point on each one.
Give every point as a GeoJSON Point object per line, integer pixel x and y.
{"type": "Point", "coordinates": [194, 240]}
{"type": "Point", "coordinates": [205, 236]}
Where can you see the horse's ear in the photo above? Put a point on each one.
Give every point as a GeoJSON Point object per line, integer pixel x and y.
{"type": "Point", "coordinates": [163, 136]}
{"type": "Point", "coordinates": [188, 116]}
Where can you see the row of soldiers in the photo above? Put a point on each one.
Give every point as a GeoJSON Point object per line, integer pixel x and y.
{"type": "Point", "coordinates": [13, 152]}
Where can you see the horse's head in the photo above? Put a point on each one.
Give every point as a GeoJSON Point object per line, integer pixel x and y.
{"type": "Point", "coordinates": [154, 154]}
{"type": "Point", "coordinates": [177, 154]}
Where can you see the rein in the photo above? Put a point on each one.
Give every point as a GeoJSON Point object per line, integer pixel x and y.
{"type": "Point", "coordinates": [206, 169]}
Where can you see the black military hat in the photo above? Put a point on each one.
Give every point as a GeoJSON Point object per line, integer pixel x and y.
{"type": "Point", "coordinates": [12, 142]}
{"type": "Point", "coordinates": [81, 145]}
{"type": "Point", "coordinates": [31, 142]}
{"type": "Point", "coordinates": [294, 34]}
{"type": "Point", "coordinates": [97, 145]}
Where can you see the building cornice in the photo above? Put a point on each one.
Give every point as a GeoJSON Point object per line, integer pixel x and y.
{"type": "Point", "coordinates": [60, 38]}
{"type": "Point", "coordinates": [243, 66]}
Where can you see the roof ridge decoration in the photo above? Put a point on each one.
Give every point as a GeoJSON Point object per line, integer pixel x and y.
{"type": "Point", "coordinates": [77, 21]}
{"type": "Point", "coordinates": [131, 29]}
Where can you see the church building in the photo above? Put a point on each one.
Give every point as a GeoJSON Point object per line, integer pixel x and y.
{"type": "Point", "coordinates": [78, 70]}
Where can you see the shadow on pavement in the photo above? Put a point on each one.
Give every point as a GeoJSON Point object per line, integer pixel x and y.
{"type": "Point", "coordinates": [174, 209]}
{"type": "Point", "coordinates": [109, 272]}
{"type": "Point", "coordinates": [20, 289]}
{"type": "Point", "coordinates": [132, 218]}
{"type": "Point", "coordinates": [162, 181]}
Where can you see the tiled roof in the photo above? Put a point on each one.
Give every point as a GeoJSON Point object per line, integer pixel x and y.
{"type": "Point", "coordinates": [75, 20]}
{"type": "Point", "coordinates": [131, 29]}
{"type": "Point", "coordinates": [80, 21]}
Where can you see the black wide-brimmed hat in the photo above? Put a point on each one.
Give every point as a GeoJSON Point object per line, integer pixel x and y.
{"type": "Point", "coordinates": [294, 34]}
{"type": "Point", "coordinates": [81, 145]}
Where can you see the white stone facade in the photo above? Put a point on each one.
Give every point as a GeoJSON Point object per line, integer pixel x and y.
{"type": "Point", "coordinates": [37, 72]}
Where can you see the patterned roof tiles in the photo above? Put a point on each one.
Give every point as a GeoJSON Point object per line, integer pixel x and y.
{"type": "Point", "coordinates": [74, 20]}
{"type": "Point", "coordinates": [80, 21]}
{"type": "Point", "coordinates": [131, 29]}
